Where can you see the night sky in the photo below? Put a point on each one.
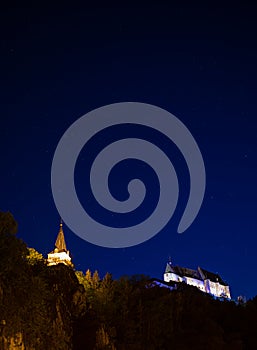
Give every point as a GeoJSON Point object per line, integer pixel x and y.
{"type": "Point", "coordinates": [198, 62]}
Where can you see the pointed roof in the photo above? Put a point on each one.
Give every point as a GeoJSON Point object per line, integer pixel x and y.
{"type": "Point", "coordinates": [214, 277]}
{"type": "Point", "coordinates": [182, 271]}
{"type": "Point", "coordinates": [60, 241]}
{"type": "Point", "coordinates": [169, 267]}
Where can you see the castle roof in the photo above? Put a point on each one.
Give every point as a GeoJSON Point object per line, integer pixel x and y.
{"type": "Point", "coordinates": [184, 271]}
{"type": "Point", "coordinates": [214, 277]}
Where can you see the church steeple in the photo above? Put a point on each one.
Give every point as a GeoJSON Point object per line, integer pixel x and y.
{"type": "Point", "coordinates": [60, 241]}
{"type": "Point", "coordinates": [60, 254]}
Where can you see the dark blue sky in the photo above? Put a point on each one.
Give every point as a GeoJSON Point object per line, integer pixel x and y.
{"type": "Point", "coordinates": [199, 63]}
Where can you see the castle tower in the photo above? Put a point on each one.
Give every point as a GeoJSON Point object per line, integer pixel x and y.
{"type": "Point", "coordinates": [170, 273]}
{"type": "Point", "coordinates": [60, 254]}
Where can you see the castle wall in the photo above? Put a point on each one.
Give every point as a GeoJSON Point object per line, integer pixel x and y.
{"type": "Point", "coordinates": [195, 282]}
{"type": "Point", "coordinates": [172, 277]}
{"type": "Point", "coordinates": [217, 289]}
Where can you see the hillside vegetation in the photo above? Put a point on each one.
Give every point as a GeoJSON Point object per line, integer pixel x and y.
{"type": "Point", "coordinates": [62, 309]}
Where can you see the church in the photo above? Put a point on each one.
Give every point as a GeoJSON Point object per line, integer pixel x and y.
{"type": "Point", "coordinates": [204, 280]}
{"type": "Point", "coordinates": [60, 254]}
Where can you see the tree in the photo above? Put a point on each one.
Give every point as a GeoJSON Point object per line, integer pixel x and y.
{"type": "Point", "coordinates": [8, 225]}
{"type": "Point", "coordinates": [95, 280]}
{"type": "Point", "coordinates": [12, 250]}
{"type": "Point", "coordinates": [34, 257]}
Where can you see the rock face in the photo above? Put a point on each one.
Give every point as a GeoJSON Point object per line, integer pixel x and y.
{"type": "Point", "coordinates": [44, 319]}
{"type": "Point", "coordinates": [16, 342]}
{"type": "Point", "coordinates": [63, 301]}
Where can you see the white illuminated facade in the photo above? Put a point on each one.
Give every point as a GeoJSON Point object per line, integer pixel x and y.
{"type": "Point", "coordinates": [204, 280]}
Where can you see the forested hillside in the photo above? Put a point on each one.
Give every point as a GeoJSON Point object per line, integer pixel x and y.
{"type": "Point", "coordinates": [59, 308]}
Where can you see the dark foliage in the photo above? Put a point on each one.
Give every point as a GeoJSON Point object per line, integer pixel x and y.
{"type": "Point", "coordinates": [35, 300]}
{"type": "Point", "coordinates": [131, 313]}
{"type": "Point", "coordinates": [59, 308]}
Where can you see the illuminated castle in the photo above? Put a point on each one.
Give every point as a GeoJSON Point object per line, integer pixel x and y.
{"type": "Point", "coordinates": [204, 280]}
{"type": "Point", "coordinates": [60, 254]}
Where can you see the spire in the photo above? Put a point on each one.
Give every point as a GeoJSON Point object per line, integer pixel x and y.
{"type": "Point", "coordinates": [60, 241]}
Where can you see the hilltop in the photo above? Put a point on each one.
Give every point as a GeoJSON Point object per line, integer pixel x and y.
{"type": "Point", "coordinates": [57, 307]}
